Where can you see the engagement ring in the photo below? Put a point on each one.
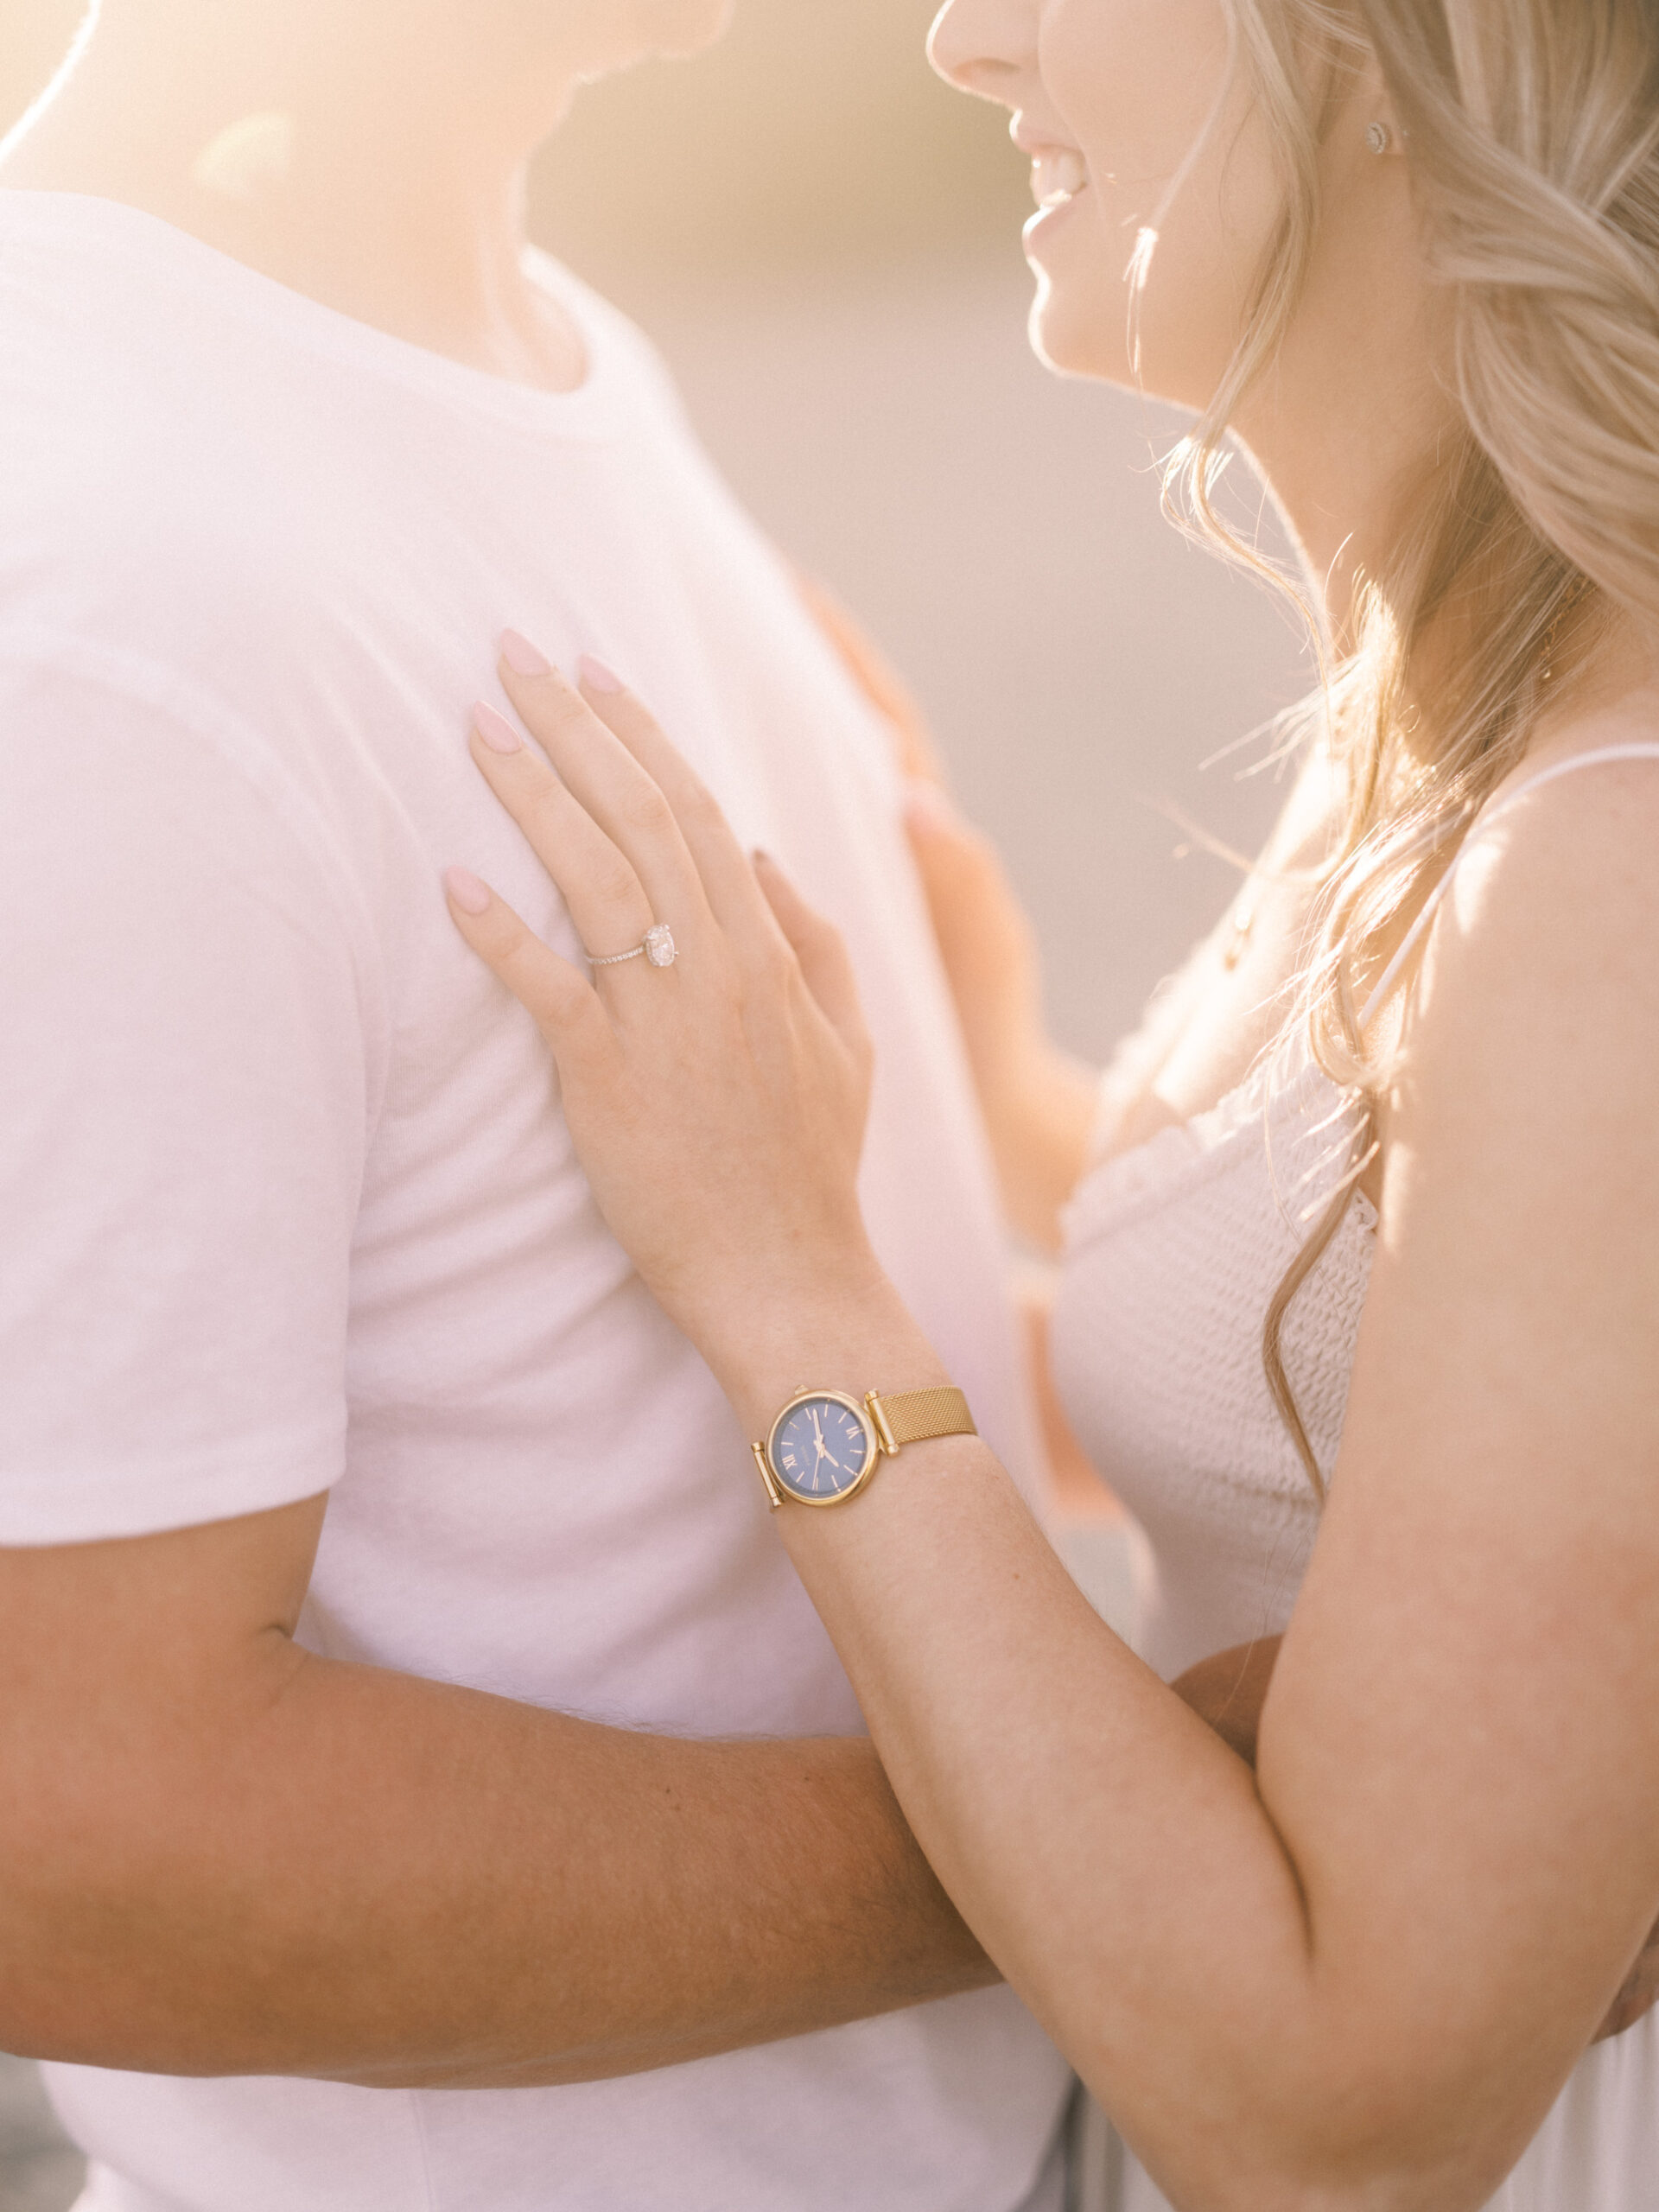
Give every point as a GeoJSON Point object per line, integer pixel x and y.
{"type": "Point", "coordinates": [659, 948]}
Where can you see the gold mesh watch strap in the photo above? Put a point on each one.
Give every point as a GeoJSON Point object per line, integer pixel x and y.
{"type": "Point", "coordinates": [915, 1416]}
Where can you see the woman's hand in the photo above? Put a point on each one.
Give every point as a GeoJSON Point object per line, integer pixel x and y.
{"type": "Point", "coordinates": [878, 679]}
{"type": "Point", "coordinates": [718, 1104]}
{"type": "Point", "coordinates": [1038, 1104]}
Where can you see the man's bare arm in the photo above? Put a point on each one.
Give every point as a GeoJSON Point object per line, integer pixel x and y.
{"type": "Point", "coordinates": [219, 1854]}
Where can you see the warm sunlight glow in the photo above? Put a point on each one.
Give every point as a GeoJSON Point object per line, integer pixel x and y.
{"type": "Point", "coordinates": [31, 114]}
{"type": "Point", "coordinates": [252, 156]}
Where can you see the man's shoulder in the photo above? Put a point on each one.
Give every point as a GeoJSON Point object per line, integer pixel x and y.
{"type": "Point", "coordinates": [121, 464]}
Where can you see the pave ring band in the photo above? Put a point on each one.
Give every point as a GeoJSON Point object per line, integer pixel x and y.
{"type": "Point", "coordinates": [659, 948]}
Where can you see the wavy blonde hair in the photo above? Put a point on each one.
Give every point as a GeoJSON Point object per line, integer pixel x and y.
{"type": "Point", "coordinates": [1532, 138]}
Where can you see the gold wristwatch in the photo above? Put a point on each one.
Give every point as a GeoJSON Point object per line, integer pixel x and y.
{"type": "Point", "coordinates": [823, 1447]}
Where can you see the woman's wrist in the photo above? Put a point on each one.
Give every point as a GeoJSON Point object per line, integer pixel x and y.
{"type": "Point", "coordinates": [855, 1336]}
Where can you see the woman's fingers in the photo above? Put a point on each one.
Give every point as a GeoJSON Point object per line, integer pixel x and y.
{"type": "Point", "coordinates": [878, 679]}
{"type": "Point", "coordinates": [728, 880]}
{"type": "Point", "coordinates": [819, 948]}
{"type": "Point", "coordinates": [985, 938]}
{"type": "Point", "coordinates": [617, 791]}
{"type": "Point", "coordinates": [626, 821]}
{"type": "Point", "coordinates": [609, 904]}
{"type": "Point", "coordinates": [557, 995]}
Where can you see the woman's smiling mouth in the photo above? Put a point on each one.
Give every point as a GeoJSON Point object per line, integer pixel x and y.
{"type": "Point", "coordinates": [1058, 173]}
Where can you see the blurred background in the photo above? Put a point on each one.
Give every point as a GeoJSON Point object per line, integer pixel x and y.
{"type": "Point", "coordinates": [824, 241]}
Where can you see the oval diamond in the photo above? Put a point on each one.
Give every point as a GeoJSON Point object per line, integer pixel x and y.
{"type": "Point", "coordinates": [660, 947]}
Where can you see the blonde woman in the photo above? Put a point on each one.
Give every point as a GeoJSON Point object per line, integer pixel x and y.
{"type": "Point", "coordinates": [1361, 1242]}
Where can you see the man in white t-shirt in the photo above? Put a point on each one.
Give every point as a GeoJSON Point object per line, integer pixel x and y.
{"type": "Point", "coordinates": [502, 1837]}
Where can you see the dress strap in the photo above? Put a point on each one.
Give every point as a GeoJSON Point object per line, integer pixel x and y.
{"type": "Point", "coordinates": [1415, 935]}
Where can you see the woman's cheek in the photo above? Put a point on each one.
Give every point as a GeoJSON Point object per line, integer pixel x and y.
{"type": "Point", "coordinates": [1183, 196]}
{"type": "Point", "coordinates": [1133, 82]}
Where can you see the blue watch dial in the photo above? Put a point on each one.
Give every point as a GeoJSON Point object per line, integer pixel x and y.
{"type": "Point", "coordinates": [822, 1449]}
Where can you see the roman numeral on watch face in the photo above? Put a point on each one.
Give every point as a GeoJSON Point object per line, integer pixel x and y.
{"type": "Point", "coordinates": [823, 1450]}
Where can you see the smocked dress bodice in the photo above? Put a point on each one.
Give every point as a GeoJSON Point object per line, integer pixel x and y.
{"type": "Point", "coordinates": [1173, 1253]}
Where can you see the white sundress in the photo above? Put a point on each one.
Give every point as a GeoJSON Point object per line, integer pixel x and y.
{"type": "Point", "coordinates": [1172, 1253]}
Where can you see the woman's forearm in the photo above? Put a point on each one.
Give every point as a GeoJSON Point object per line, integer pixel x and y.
{"type": "Point", "coordinates": [1109, 1852]}
{"type": "Point", "coordinates": [1113, 1857]}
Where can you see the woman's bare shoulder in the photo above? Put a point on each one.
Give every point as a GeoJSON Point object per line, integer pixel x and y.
{"type": "Point", "coordinates": [1547, 945]}
{"type": "Point", "coordinates": [1565, 829]}
{"type": "Point", "coordinates": [1627, 725]}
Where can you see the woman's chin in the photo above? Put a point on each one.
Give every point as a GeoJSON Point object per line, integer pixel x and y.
{"type": "Point", "coordinates": [679, 30]}
{"type": "Point", "coordinates": [1077, 319]}
{"type": "Point", "coordinates": [1078, 337]}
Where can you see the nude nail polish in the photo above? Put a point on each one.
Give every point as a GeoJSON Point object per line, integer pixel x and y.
{"type": "Point", "coordinates": [467, 891]}
{"type": "Point", "coordinates": [497, 732]}
{"type": "Point", "coordinates": [926, 808]}
{"type": "Point", "coordinates": [596, 676]}
{"type": "Point", "coordinates": [522, 657]}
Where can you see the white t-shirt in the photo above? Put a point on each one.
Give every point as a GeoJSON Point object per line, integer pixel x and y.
{"type": "Point", "coordinates": [285, 1201]}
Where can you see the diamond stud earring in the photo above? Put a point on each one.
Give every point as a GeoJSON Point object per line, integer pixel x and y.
{"type": "Point", "coordinates": [1378, 137]}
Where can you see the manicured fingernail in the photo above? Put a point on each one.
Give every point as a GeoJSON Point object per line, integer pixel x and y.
{"type": "Point", "coordinates": [497, 732]}
{"type": "Point", "coordinates": [468, 893]}
{"type": "Point", "coordinates": [522, 656]}
{"type": "Point", "coordinates": [597, 677]}
{"type": "Point", "coordinates": [927, 807]}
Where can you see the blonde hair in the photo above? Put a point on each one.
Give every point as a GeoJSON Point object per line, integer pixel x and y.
{"type": "Point", "coordinates": [1532, 137]}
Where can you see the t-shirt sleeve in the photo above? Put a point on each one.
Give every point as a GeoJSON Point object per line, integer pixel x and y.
{"type": "Point", "coordinates": [183, 1107]}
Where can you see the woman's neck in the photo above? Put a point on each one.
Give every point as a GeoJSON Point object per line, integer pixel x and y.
{"type": "Point", "coordinates": [390, 196]}
{"type": "Point", "coordinates": [1348, 485]}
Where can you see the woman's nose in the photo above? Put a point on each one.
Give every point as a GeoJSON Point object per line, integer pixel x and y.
{"type": "Point", "coordinates": [985, 46]}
